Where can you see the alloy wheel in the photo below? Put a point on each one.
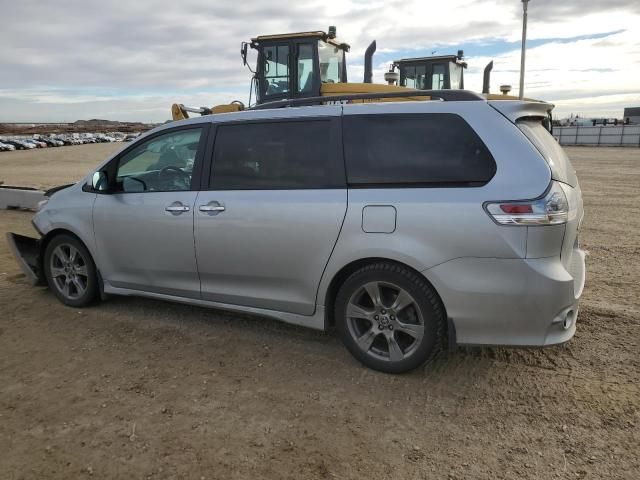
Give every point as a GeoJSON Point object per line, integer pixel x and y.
{"type": "Point", "coordinates": [69, 271]}
{"type": "Point", "coordinates": [385, 321]}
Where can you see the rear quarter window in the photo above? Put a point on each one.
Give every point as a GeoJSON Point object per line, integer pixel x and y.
{"type": "Point", "coordinates": [414, 149]}
{"type": "Point", "coordinates": [550, 149]}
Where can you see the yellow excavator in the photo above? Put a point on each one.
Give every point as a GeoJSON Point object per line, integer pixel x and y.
{"type": "Point", "coordinates": [312, 65]}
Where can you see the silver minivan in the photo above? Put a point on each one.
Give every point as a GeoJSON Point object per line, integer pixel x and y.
{"type": "Point", "coordinates": [407, 226]}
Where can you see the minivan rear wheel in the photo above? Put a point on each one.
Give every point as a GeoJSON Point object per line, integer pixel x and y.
{"type": "Point", "coordinates": [70, 271]}
{"type": "Point", "coordinates": [389, 317]}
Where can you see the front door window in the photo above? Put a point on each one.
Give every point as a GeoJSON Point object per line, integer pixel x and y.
{"type": "Point", "coordinates": [162, 164]}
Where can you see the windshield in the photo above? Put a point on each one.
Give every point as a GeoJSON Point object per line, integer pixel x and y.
{"type": "Point", "coordinates": [331, 62]}
{"type": "Point", "coordinates": [415, 77]}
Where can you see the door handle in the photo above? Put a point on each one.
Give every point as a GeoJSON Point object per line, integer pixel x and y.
{"type": "Point", "coordinates": [212, 208]}
{"type": "Point", "coordinates": [176, 208]}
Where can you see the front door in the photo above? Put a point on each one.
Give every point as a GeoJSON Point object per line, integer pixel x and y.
{"type": "Point", "coordinates": [265, 229]}
{"type": "Point", "coordinates": [144, 224]}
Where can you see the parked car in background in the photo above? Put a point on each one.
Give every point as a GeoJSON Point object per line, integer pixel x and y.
{"type": "Point", "coordinates": [5, 147]}
{"type": "Point", "coordinates": [39, 143]}
{"type": "Point", "coordinates": [20, 144]}
{"type": "Point", "coordinates": [63, 140]}
{"type": "Point", "coordinates": [49, 141]}
{"type": "Point", "coordinates": [30, 143]}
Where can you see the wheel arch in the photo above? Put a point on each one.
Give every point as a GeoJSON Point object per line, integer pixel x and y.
{"type": "Point", "coordinates": [347, 270]}
{"type": "Point", "coordinates": [46, 239]}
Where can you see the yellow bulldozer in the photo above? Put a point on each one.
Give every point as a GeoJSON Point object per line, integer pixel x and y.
{"type": "Point", "coordinates": [296, 67]}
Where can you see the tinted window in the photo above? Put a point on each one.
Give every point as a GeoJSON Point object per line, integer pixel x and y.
{"type": "Point", "coordinates": [414, 148]}
{"type": "Point", "coordinates": [276, 155]}
{"type": "Point", "coordinates": [164, 163]}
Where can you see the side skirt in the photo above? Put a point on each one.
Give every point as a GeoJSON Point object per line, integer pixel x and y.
{"type": "Point", "coordinates": [315, 321]}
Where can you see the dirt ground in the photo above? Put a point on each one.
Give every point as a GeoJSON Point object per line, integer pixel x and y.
{"type": "Point", "coordinates": [49, 167]}
{"type": "Point", "coordinates": [137, 388]}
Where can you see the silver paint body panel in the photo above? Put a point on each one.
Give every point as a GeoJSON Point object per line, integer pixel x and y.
{"type": "Point", "coordinates": [268, 249]}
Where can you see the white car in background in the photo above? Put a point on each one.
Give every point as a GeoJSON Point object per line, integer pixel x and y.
{"type": "Point", "coordinates": [27, 144]}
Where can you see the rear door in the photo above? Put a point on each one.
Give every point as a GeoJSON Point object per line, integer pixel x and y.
{"type": "Point", "coordinates": [276, 200]}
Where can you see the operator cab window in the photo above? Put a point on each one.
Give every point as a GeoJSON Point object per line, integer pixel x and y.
{"type": "Point", "coordinates": [161, 164]}
{"type": "Point", "coordinates": [276, 69]}
{"type": "Point", "coordinates": [437, 80]}
{"type": "Point", "coordinates": [415, 77]}
{"type": "Point", "coordinates": [331, 63]}
{"type": "Point", "coordinates": [305, 68]}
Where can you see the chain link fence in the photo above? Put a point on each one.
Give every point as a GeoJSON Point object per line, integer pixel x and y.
{"type": "Point", "coordinates": [609, 136]}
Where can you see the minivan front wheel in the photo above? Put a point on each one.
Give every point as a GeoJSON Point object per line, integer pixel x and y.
{"type": "Point", "coordinates": [389, 317]}
{"type": "Point", "coordinates": [70, 271]}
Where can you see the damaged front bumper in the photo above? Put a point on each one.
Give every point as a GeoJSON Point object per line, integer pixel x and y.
{"type": "Point", "coordinates": [27, 253]}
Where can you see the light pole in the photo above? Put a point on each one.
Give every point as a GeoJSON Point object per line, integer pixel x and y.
{"type": "Point", "coordinates": [525, 3]}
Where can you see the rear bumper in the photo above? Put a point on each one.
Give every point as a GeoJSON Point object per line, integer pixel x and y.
{"type": "Point", "coordinates": [27, 253]}
{"type": "Point", "coordinates": [517, 302]}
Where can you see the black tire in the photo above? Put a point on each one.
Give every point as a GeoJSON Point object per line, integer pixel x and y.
{"type": "Point", "coordinates": [426, 309]}
{"type": "Point", "coordinates": [76, 297]}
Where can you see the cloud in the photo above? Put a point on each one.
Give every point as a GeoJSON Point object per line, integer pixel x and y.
{"type": "Point", "coordinates": [92, 58]}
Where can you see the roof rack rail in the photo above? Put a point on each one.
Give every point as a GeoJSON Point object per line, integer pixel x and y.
{"type": "Point", "coordinates": [445, 95]}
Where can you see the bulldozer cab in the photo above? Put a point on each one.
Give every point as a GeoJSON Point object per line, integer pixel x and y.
{"type": "Point", "coordinates": [295, 65]}
{"type": "Point", "coordinates": [445, 72]}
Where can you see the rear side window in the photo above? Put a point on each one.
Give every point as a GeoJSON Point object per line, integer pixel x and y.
{"type": "Point", "coordinates": [550, 149]}
{"type": "Point", "coordinates": [275, 155]}
{"type": "Point", "coordinates": [410, 149]}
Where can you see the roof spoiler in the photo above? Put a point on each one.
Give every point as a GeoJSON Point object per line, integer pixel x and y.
{"type": "Point", "coordinates": [516, 109]}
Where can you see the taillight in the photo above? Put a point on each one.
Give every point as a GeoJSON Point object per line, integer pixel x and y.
{"type": "Point", "coordinates": [552, 209]}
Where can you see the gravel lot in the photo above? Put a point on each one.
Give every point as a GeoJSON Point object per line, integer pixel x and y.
{"type": "Point", "coordinates": [49, 167]}
{"type": "Point", "coordinates": [137, 388]}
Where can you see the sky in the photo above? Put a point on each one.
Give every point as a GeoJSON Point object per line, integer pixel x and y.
{"type": "Point", "coordinates": [65, 60]}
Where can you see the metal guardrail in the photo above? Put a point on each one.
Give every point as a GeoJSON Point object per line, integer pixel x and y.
{"type": "Point", "coordinates": [606, 136]}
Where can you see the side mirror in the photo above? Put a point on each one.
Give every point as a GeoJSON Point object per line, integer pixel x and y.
{"type": "Point", "coordinates": [243, 52]}
{"type": "Point", "coordinates": [99, 181]}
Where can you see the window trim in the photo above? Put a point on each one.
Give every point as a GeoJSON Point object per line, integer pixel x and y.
{"type": "Point", "coordinates": [335, 149]}
{"type": "Point", "coordinates": [407, 185]}
{"type": "Point", "coordinates": [111, 168]}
